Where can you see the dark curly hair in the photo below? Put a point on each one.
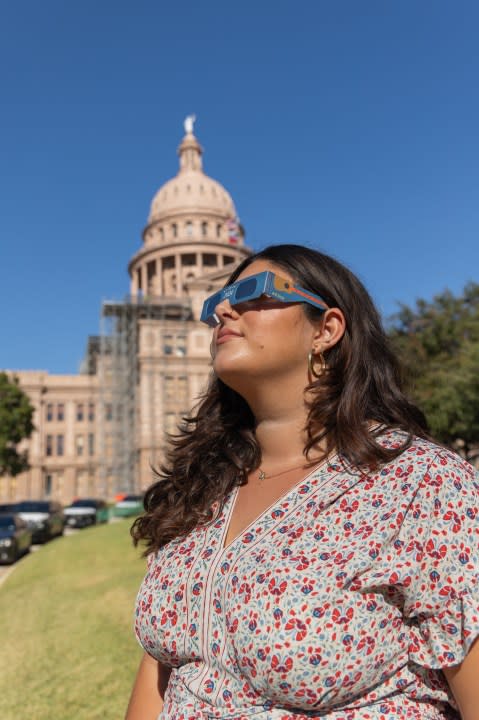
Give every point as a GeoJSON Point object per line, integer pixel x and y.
{"type": "Point", "coordinates": [216, 448]}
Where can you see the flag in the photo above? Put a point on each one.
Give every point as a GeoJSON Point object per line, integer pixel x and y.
{"type": "Point", "coordinates": [233, 229]}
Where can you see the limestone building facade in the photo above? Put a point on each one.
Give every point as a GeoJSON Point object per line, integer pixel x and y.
{"type": "Point", "coordinates": [100, 432]}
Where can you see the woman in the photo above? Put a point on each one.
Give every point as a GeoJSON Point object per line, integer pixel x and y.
{"type": "Point", "coordinates": [311, 552]}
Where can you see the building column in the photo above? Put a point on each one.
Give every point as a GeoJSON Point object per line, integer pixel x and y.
{"type": "Point", "coordinates": [179, 275]}
{"type": "Point", "coordinates": [162, 285]}
{"type": "Point", "coordinates": [134, 284]}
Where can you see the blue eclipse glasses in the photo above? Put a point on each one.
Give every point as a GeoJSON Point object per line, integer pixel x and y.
{"type": "Point", "coordinates": [264, 283]}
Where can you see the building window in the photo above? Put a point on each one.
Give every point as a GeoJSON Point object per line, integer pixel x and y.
{"type": "Point", "coordinates": [108, 411]}
{"type": "Point", "coordinates": [150, 275]}
{"type": "Point", "coordinates": [49, 445]}
{"type": "Point", "coordinates": [91, 411]}
{"type": "Point", "coordinates": [174, 344]}
{"type": "Point", "coordinates": [79, 443]}
{"type": "Point", "coordinates": [168, 342]}
{"type": "Point", "coordinates": [176, 388]}
{"type": "Point", "coordinates": [209, 260]}
{"type": "Point", "coordinates": [80, 412]}
{"type": "Point", "coordinates": [204, 229]}
{"type": "Point", "coordinates": [60, 445]}
{"type": "Point", "coordinates": [91, 444]}
{"type": "Point", "coordinates": [49, 412]}
{"type": "Point", "coordinates": [162, 234]}
{"type": "Point", "coordinates": [174, 230]}
{"type": "Point", "coordinates": [168, 263]}
{"type": "Point", "coordinates": [189, 228]}
{"type": "Point", "coordinates": [188, 259]}
{"type": "Point", "coordinates": [139, 279]}
{"type": "Point", "coordinates": [228, 259]}
{"type": "Point", "coordinates": [47, 485]}
{"type": "Point", "coordinates": [60, 411]}
{"type": "Point", "coordinates": [218, 230]}
{"type": "Point", "coordinates": [180, 349]}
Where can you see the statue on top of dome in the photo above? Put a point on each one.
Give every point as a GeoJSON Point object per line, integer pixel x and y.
{"type": "Point", "coordinates": [188, 124]}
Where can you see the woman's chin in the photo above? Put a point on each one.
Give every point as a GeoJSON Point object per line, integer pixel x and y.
{"type": "Point", "coordinates": [233, 373]}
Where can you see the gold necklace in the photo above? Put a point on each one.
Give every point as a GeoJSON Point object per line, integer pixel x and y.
{"type": "Point", "coordinates": [262, 475]}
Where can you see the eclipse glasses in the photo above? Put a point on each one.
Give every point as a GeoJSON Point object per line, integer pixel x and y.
{"type": "Point", "coordinates": [264, 283]}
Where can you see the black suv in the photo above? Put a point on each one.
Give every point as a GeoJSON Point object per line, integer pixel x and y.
{"type": "Point", "coordinates": [45, 518]}
{"type": "Point", "coordinates": [15, 537]}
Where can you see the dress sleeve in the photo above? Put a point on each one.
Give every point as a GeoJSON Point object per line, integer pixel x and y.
{"type": "Point", "coordinates": [438, 570]}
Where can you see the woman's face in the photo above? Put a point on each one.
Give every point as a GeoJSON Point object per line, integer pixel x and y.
{"type": "Point", "coordinates": [262, 339]}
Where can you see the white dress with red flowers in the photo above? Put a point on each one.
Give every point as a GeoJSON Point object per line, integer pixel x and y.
{"type": "Point", "coordinates": [341, 601]}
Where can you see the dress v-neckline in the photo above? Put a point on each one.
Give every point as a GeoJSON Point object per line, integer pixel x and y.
{"type": "Point", "coordinates": [231, 503]}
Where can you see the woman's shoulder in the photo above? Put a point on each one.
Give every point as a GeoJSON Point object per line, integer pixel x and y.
{"type": "Point", "coordinates": [434, 461]}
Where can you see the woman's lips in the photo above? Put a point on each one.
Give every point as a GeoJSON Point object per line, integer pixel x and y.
{"type": "Point", "coordinates": [226, 335]}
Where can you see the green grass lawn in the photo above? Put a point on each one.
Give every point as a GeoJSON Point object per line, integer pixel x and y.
{"type": "Point", "coordinates": [66, 616]}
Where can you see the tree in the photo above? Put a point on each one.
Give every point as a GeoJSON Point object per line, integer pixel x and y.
{"type": "Point", "coordinates": [438, 342]}
{"type": "Point", "coordinates": [16, 424]}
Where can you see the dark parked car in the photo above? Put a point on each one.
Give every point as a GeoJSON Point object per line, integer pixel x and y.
{"type": "Point", "coordinates": [7, 507]}
{"type": "Point", "coordinates": [86, 511]}
{"type": "Point", "coordinates": [15, 537]}
{"type": "Point", "coordinates": [45, 518]}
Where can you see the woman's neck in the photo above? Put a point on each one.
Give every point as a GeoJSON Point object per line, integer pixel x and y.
{"type": "Point", "coordinates": [281, 436]}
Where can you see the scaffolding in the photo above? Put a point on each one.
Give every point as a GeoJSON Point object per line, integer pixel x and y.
{"type": "Point", "coordinates": [116, 360]}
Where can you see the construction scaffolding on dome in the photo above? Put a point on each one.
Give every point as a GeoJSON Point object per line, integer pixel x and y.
{"type": "Point", "coordinates": [122, 399]}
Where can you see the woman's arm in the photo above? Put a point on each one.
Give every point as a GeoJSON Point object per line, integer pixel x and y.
{"type": "Point", "coordinates": [463, 680]}
{"type": "Point", "coordinates": [146, 701]}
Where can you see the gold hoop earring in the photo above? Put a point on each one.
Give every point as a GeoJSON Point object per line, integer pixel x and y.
{"type": "Point", "coordinates": [311, 360]}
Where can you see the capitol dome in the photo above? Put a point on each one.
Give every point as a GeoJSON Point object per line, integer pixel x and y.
{"type": "Point", "coordinates": [192, 233]}
{"type": "Point", "coordinates": [191, 190]}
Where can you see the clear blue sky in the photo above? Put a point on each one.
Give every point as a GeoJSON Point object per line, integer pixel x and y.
{"type": "Point", "coordinates": [350, 126]}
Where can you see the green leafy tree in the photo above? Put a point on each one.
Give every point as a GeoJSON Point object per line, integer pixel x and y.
{"type": "Point", "coordinates": [16, 424]}
{"type": "Point", "coordinates": [438, 342]}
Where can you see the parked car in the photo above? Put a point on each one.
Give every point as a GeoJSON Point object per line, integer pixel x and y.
{"type": "Point", "coordinates": [86, 511]}
{"type": "Point", "coordinates": [128, 505]}
{"type": "Point", "coordinates": [15, 537]}
{"type": "Point", "coordinates": [45, 518]}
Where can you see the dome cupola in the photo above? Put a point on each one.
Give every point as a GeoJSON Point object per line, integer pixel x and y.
{"type": "Point", "coordinates": [191, 190]}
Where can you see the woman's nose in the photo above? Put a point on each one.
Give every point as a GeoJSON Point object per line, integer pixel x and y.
{"type": "Point", "coordinates": [225, 309]}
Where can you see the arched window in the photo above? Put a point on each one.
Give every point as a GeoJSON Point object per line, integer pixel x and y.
{"type": "Point", "coordinates": [218, 230]}
{"type": "Point", "coordinates": [189, 228]}
{"type": "Point", "coordinates": [204, 229]}
{"type": "Point", "coordinates": [174, 230]}
{"type": "Point", "coordinates": [162, 234]}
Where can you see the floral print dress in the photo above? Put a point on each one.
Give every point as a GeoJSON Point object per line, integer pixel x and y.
{"type": "Point", "coordinates": [342, 600]}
